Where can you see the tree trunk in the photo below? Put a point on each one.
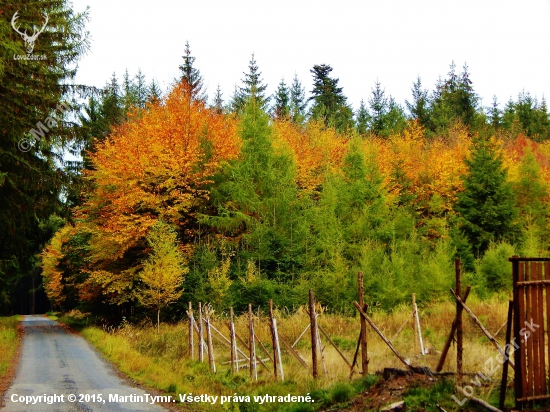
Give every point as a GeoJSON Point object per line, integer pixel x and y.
{"type": "Point", "coordinates": [158, 321]}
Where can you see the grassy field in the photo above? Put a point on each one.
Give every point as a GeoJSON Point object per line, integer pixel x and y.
{"type": "Point", "coordinates": [162, 360]}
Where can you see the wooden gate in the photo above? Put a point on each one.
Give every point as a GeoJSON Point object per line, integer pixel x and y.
{"type": "Point", "coordinates": [531, 277]}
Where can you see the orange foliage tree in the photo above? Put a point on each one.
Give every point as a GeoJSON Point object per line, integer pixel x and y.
{"type": "Point", "coordinates": [159, 165]}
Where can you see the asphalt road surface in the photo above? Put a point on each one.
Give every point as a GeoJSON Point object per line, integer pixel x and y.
{"type": "Point", "coordinates": [55, 362]}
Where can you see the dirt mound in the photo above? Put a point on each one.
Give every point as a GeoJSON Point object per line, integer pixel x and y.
{"type": "Point", "coordinates": [389, 390]}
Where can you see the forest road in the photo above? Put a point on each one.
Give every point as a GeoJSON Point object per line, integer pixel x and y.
{"type": "Point", "coordinates": [56, 362]}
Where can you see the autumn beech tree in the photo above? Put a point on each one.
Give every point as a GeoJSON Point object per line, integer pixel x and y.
{"type": "Point", "coordinates": [156, 166]}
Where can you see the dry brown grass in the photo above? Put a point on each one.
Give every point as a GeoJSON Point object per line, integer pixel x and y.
{"type": "Point", "coordinates": [162, 360]}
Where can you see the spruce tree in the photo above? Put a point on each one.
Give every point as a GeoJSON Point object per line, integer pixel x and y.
{"type": "Point", "coordinates": [218, 100]}
{"type": "Point", "coordinates": [329, 102]}
{"type": "Point", "coordinates": [419, 108]}
{"type": "Point", "coordinates": [154, 93]}
{"type": "Point", "coordinates": [487, 205]}
{"type": "Point", "coordinates": [281, 108]}
{"type": "Point", "coordinates": [454, 100]}
{"type": "Point", "coordinates": [191, 75]}
{"type": "Point", "coordinates": [253, 87]}
{"type": "Point", "coordinates": [378, 109]}
{"type": "Point", "coordinates": [495, 114]}
{"type": "Point", "coordinates": [33, 91]}
{"type": "Point", "coordinates": [298, 102]}
{"type": "Point", "coordinates": [362, 118]}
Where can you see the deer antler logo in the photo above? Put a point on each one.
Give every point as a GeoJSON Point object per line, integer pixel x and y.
{"type": "Point", "coordinates": [29, 40]}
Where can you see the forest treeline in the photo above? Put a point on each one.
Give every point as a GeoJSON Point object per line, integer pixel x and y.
{"type": "Point", "coordinates": [180, 197]}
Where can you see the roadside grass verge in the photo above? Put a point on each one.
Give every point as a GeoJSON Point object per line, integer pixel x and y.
{"type": "Point", "coordinates": [9, 342]}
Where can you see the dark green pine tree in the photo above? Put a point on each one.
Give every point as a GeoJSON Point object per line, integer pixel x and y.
{"type": "Point", "coordinates": [329, 102]}
{"type": "Point", "coordinates": [298, 102]}
{"type": "Point", "coordinates": [140, 89]}
{"type": "Point", "coordinates": [129, 95]}
{"type": "Point", "coordinates": [191, 75]}
{"type": "Point", "coordinates": [495, 114]}
{"type": "Point", "coordinates": [379, 108]}
{"type": "Point", "coordinates": [454, 100]}
{"type": "Point", "coordinates": [362, 119]}
{"type": "Point", "coordinates": [218, 101]}
{"type": "Point", "coordinates": [487, 205]}
{"type": "Point", "coordinates": [38, 98]}
{"type": "Point", "coordinates": [112, 104]}
{"type": "Point", "coordinates": [252, 87]}
{"type": "Point", "coordinates": [281, 108]}
{"type": "Point", "coordinates": [419, 108]}
{"type": "Point", "coordinates": [154, 93]}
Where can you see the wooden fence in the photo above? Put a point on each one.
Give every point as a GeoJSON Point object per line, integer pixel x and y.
{"type": "Point", "coordinates": [531, 331]}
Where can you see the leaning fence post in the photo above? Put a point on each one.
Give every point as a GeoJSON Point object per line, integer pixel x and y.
{"type": "Point", "coordinates": [313, 328]}
{"type": "Point", "coordinates": [417, 320]}
{"type": "Point", "coordinates": [234, 363]}
{"type": "Point", "coordinates": [275, 342]}
{"type": "Point", "coordinates": [363, 334]}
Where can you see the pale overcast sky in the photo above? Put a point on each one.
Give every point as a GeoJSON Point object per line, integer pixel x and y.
{"type": "Point", "coordinates": [506, 44]}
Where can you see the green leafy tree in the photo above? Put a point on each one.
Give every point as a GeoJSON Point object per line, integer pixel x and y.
{"type": "Point", "coordinates": [487, 204]}
{"type": "Point", "coordinates": [329, 102]}
{"type": "Point", "coordinates": [531, 194]}
{"type": "Point", "coordinates": [163, 270]}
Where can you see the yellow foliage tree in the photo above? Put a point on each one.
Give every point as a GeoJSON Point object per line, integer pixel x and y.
{"type": "Point", "coordinates": [53, 276]}
{"type": "Point", "coordinates": [163, 271]}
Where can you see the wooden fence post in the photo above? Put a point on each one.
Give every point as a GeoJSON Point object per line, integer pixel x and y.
{"type": "Point", "coordinates": [234, 362]}
{"type": "Point", "coordinates": [451, 337]}
{"type": "Point", "coordinates": [458, 291]}
{"type": "Point", "coordinates": [275, 341]}
{"type": "Point", "coordinates": [272, 330]}
{"type": "Point", "coordinates": [321, 350]}
{"type": "Point", "coordinates": [252, 344]}
{"type": "Point", "coordinates": [415, 334]}
{"type": "Point", "coordinates": [201, 336]}
{"type": "Point", "coordinates": [209, 341]}
{"type": "Point", "coordinates": [504, 380]}
{"type": "Point", "coordinates": [417, 319]}
{"type": "Point", "coordinates": [191, 332]}
{"type": "Point", "coordinates": [313, 328]}
{"type": "Point", "coordinates": [363, 335]}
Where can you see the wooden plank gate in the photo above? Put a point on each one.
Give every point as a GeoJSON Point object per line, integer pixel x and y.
{"type": "Point", "coordinates": [531, 332]}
